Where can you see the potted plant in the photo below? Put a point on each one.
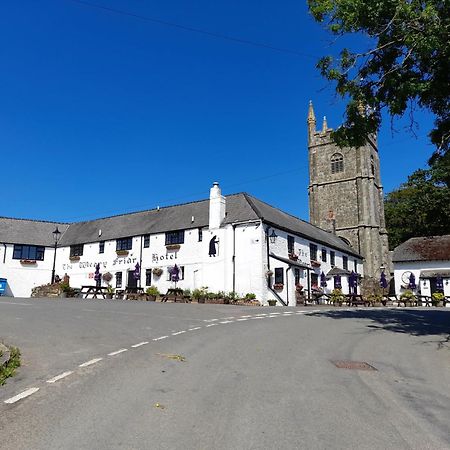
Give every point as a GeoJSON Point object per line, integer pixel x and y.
{"type": "Point", "coordinates": [337, 297]}
{"type": "Point", "coordinates": [437, 298]}
{"type": "Point", "coordinates": [293, 256]}
{"type": "Point", "coordinates": [272, 302]}
{"type": "Point", "coordinates": [110, 291]}
{"type": "Point", "coordinates": [374, 299]}
{"type": "Point", "coordinates": [121, 252]}
{"type": "Point", "coordinates": [278, 286]}
{"type": "Point", "coordinates": [65, 290]}
{"type": "Point", "coordinates": [74, 258]}
{"type": "Point", "coordinates": [407, 297]}
{"type": "Point", "coordinates": [107, 276]}
{"type": "Point", "coordinates": [157, 271]}
{"type": "Point", "coordinates": [199, 295]}
{"type": "Point", "coordinates": [152, 292]}
{"type": "Point", "coordinates": [173, 246]}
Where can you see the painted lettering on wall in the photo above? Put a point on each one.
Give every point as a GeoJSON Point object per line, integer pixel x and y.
{"type": "Point", "coordinates": [156, 257]}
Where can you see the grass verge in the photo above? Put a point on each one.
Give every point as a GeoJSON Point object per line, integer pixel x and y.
{"type": "Point", "coordinates": [8, 369]}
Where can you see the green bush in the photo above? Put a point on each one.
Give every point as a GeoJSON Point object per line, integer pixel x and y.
{"type": "Point", "coordinates": [187, 292]}
{"type": "Point", "coordinates": [250, 296]}
{"type": "Point", "coordinates": [436, 298]}
{"type": "Point", "coordinates": [337, 297]}
{"type": "Point", "coordinates": [10, 367]}
{"type": "Point", "coordinates": [152, 290]}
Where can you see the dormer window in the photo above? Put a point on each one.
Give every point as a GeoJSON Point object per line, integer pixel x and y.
{"type": "Point", "coordinates": [337, 163]}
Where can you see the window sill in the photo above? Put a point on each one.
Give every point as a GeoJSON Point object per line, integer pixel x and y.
{"type": "Point", "coordinates": [278, 287]}
{"type": "Point", "coordinates": [122, 252]}
{"type": "Point", "coordinates": [173, 246]}
{"type": "Point", "coordinates": [74, 258]}
{"type": "Point", "coordinates": [28, 261]}
{"type": "Point", "coordinates": [315, 263]}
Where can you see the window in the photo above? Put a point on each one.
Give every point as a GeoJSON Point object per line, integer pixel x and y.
{"type": "Point", "coordinates": [76, 250]}
{"type": "Point", "coordinates": [29, 252]}
{"type": "Point", "coordinates": [148, 277]}
{"type": "Point", "coordinates": [324, 255]}
{"type": "Point", "coordinates": [314, 280]}
{"type": "Point", "coordinates": [337, 163]}
{"type": "Point", "coordinates": [279, 275]}
{"type": "Point", "coordinates": [146, 240]}
{"type": "Point", "coordinates": [200, 235]}
{"type": "Point", "coordinates": [101, 247]}
{"type": "Point", "coordinates": [345, 262]}
{"type": "Point", "coordinates": [175, 237]}
{"type": "Point", "coordinates": [313, 252]}
{"type": "Point", "coordinates": [332, 258]}
{"type": "Point", "coordinates": [372, 165]}
{"type": "Point", "coordinates": [297, 275]}
{"type": "Point", "coordinates": [124, 244]}
{"type": "Point", "coordinates": [290, 243]}
{"type": "Point", "coordinates": [355, 263]}
{"type": "Point", "coordinates": [118, 279]}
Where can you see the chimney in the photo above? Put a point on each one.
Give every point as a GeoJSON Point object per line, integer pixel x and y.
{"type": "Point", "coordinates": [216, 206]}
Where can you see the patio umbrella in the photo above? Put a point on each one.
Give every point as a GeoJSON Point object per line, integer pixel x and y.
{"type": "Point", "coordinates": [439, 284]}
{"type": "Point", "coordinates": [323, 280]}
{"type": "Point", "coordinates": [97, 275]}
{"type": "Point", "coordinates": [174, 274]}
{"type": "Point", "coordinates": [353, 282]}
{"type": "Point", "coordinates": [337, 282]}
{"type": "Point", "coordinates": [137, 271]}
{"type": "Point", "coordinates": [383, 281]}
{"type": "Point", "coordinates": [412, 281]}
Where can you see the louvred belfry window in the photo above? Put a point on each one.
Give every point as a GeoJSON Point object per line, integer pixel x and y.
{"type": "Point", "coordinates": [337, 163]}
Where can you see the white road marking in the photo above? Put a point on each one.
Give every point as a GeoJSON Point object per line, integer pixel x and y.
{"type": "Point", "coordinates": [228, 318]}
{"type": "Point", "coordinates": [193, 329]}
{"type": "Point", "coordinates": [22, 395]}
{"type": "Point", "coordinates": [178, 332]}
{"type": "Point", "coordinates": [59, 377]}
{"type": "Point", "coordinates": [210, 320]}
{"type": "Point", "coordinates": [257, 317]}
{"type": "Point", "coordinates": [227, 321]}
{"type": "Point", "coordinates": [274, 313]}
{"type": "Point", "coordinates": [89, 363]}
{"type": "Point", "coordinates": [118, 351]}
{"type": "Point", "coordinates": [13, 304]}
{"type": "Point", "coordinates": [288, 312]}
{"type": "Point", "coordinates": [160, 338]}
{"type": "Point", "coordinates": [261, 314]}
{"type": "Point", "coordinates": [140, 344]}
{"type": "Point", "coordinates": [211, 325]}
{"type": "Point", "coordinates": [246, 316]}
{"type": "Point", "coordinates": [241, 320]}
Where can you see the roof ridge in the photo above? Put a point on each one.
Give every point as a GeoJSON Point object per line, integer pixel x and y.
{"type": "Point", "coordinates": [36, 220]}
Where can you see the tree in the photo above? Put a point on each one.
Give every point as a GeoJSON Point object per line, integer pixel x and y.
{"type": "Point", "coordinates": [421, 206]}
{"type": "Point", "coordinates": [408, 64]}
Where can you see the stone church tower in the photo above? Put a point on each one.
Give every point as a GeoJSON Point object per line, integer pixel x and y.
{"type": "Point", "coordinates": [346, 195]}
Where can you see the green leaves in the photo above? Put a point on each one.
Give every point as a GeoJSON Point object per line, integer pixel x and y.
{"type": "Point", "coordinates": [408, 63]}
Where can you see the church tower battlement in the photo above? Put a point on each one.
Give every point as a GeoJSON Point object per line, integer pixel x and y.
{"type": "Point", "coordinates": [346, 195]}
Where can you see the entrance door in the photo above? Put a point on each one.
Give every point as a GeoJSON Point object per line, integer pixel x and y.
{"type": "Point", "coordinates": [132, 282]}
{"type": "Point", "coordinates": [432, 285]}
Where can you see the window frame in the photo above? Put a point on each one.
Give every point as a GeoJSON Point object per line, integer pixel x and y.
{"type": "Point", "coordinates": [345, 262]}
{"type": "Point", "coordinates": [337, 163]}
{"type": "Point", "coordinates": [30, 252]}
{"type": "Point", "coordinates": [324, 255]}
{"type": "Point", "coordinates": [200, 234]}
{"type": "Point", "coordinates": [101, 247]}
{"type": "Point", "coordinates": [119, 279]}
{"type": "Point", "coordinates": [148, 277]}
{"type": "Point", "coordinates": [313, 249]}
{"type": "Point", "coordinates": [146, 240]}
{"type": "Point", "coordinates": [76, 250]}
{"type": "Point", "coordinates": [291, 244]}
{"type": "Point", "coordinates": [279, 275]}
{"type": "Point", "coordinates": [124, 243]}
{"type": "Point", "coordinates": [174, 237]}
{"type": "Point", "coordinates": [332, 258]}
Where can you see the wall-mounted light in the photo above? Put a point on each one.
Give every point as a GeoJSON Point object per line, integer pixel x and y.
{"type": "Point", "coordinates": [272, 237]}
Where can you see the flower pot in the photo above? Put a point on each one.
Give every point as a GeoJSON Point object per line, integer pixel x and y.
{"type": "Point", "coordinates": [272, 302]}
{"type": "Point", "coordinates": [201, 300]}
{"type": "Point", "coordinates": [109, 296]}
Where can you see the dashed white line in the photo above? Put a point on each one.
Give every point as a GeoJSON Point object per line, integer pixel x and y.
{"type": "Point", "coordinates": [274, 313]}
{"type": "Point", "coordinates": [118, 351]}
{"type": "Point", "coordinates": [210, 320]}
{"type": "Point", "coordinates": [246, 317]}
{"type": "Point", "coordinates": [228, 318]}
{"type": "Point", "coordinates": [193, 329]}
{"type": "Point", "coordinates": [242, 320]}
{"type": "Point", "coordinates": [90, 362]}
{"type": "Point", "coordinates": [160, 338]}
{"type": "Point", "coordinates": [59, 377]}
{"type": "Point", "coordinates": [226, 321]}
{"type": "Point", "coordinates": [22, 395]}
{"type": "Point", "coordinates": [140, 344]}
{"type": "Point", "coordinates": [211, 325]}
{"type": "Point", "coordinates": [178, 332]}
{"type": "Point", "coordinates": [261, 314]}
{"type": "Point", "coordinates": [257, 317]}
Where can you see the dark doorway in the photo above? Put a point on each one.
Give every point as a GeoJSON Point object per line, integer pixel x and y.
{"type": "Point", "coordinates": [433, 285]}
{"type": "Point", "coordinates": [132, 282]}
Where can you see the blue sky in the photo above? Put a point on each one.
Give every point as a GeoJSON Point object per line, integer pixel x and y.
{"type": "Point", "coordinates": [102, 113]}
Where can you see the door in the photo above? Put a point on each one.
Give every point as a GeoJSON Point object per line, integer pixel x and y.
{"type": "Point", "coordinates": [132, 282]}
{"type": "Point", "coordinates": [432, 285]}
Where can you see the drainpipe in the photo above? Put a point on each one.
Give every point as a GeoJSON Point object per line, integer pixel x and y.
{"type": "Point", "coordinates": [234, 258]}
{"type": "Point", "coordinates": [309, 284]}
{"type": "Point", "coordinates": [4, 253]}
{"type": "Point", "coordinates": [287, 285]}
{"type": "Point", "coordinates": [140, 261]}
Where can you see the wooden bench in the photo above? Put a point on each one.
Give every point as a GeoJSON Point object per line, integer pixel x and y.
{"type": "Point", "coordinates": [356, 300]}
{"type": "Point", "coordinates": [175, 295]}
{"type": "Point", "coordinates": [95, 291]}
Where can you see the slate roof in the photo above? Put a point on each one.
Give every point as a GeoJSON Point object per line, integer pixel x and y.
{"type": "Point", "coordinates": [431, 248]}
{"type": "Point", "coordinates": [239, 207]}
{"type": "Point", "coordinates": [31, 232]}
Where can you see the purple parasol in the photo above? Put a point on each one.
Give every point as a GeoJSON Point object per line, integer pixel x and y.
{"type": "Point", "coordinates": [337, 282]}
{"type": "Point", "coordinates": [323, 280]}
{"type": "Point", "coordinates": [412, 281]}
{"type": "Point", "coordinates": [137, 271]}
{"type": "Point", "coordinates": [97, 275]}
{"type": "Point", "coordinates": [383, 280]}
{"type": "Point", "coordinates": [439, 284]}
{"type": "Point", "coordinates": [353, 282]}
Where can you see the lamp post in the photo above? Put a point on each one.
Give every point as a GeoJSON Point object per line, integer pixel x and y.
{"type": "Point", "coordinates": [56, 235]}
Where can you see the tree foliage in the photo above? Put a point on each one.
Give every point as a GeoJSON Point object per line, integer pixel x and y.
{"type": "Point", "coordinates": [408, 64]}
{"type": "Point", "coordinates": [421, 206]}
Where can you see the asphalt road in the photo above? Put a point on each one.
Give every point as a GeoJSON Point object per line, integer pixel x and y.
{"type": "Point", "coordinates": [243, 382]}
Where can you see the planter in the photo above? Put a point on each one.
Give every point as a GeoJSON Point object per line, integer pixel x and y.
{"type": "Point", "coordinates": [151, 298]}
{"type": "Point", "coordinates": [173, 247]}
{"type": "Point", "coordinates": [27, 261]}
{"type": "Point", "coordinates": [121, 252]}
{"type": "Point", "coordinates": [109, 296]}
{"type": "Point", "coordinates": [201, 300]}
{"type": "Point", "coordinates": [63, 295]}
{"type": "Point", "coordinates": [315, 263]}
{"type": "Point", "coordinates": [74, 258]}
{"type": "Point", "coordinates": [272, 302]}
{"type": "Point", "coordinates": [293, 256]}
{"type": "Point", "coordinates": [278, 287]}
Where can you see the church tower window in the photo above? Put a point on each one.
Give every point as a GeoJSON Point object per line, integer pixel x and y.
{"type": "Point", "coordinates": [337, 163]}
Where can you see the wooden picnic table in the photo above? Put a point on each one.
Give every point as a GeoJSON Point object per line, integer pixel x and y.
{"type": "Point", "coordinates": [94, 291]}
{"type": "Point", "coordinates": [176, 295]}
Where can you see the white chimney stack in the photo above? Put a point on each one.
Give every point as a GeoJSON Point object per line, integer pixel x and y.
{"type": "Point", "coordinates": [216, 206]}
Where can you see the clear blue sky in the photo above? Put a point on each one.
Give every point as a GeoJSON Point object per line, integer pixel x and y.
{"type": "Point", "coordinates": [102, 113]}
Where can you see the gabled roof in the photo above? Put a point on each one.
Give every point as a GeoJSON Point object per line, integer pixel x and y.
{"type": "Point", "coordinates": [239, 208]}
{"type": "Point", "coordinates": [431, 248]}
{"type": "Point", "coordinates": [31, 232]}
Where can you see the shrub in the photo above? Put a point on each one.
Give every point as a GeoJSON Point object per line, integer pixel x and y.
{"type": "Point", "coordinates": [337, 297]}
{"type": "Point", "coordinates": [250, 296]}
{"type": "Point", "coordinates": [152, 290]}
{"type": "Point", "coordinates": [187, 292]}
{"type": "Point", "coordinates": [436, 298]}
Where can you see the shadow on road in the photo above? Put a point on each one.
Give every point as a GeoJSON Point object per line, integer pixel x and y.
{"type": "Point", "coordinates": [416, 322]}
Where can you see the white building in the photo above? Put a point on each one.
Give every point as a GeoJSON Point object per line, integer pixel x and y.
{"type": "Point", "coordinates": [427, 258]}
{"type": "Point", "coordinates": [229, 244]}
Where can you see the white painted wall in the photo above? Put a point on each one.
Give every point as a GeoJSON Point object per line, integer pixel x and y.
{"type": "Point", "coordinates": [416, 267]}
